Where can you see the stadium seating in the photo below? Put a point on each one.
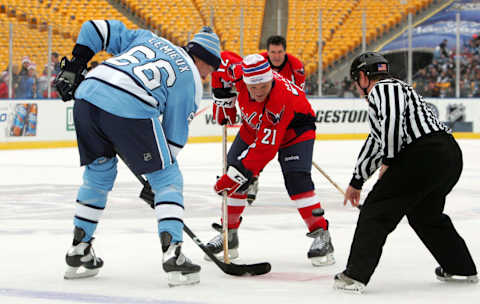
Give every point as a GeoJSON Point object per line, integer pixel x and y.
{"type": "Point", "coordinates": [341, 26]}
{"type": "Point", "coordinates": [178, 20]}
{"type": "Point", "coordinates": [31, 19]}
{"type": "Point", "coordinates": [227, 22]}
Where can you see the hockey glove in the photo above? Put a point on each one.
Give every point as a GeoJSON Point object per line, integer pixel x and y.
{"type": "Point", "coordinates": [224, 97]}
{"type": "Point", "coordinates": [71, 74]}
{"type": "Point", "coordinates": [224, 110]}
{"type": "Point", "coordinates": [230, 182]}
{"type": "Point", "coordinates": [224, 115]}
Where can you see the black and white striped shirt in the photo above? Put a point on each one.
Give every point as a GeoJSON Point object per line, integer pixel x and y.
{"type": "Point", "coordinates": [397, 117]}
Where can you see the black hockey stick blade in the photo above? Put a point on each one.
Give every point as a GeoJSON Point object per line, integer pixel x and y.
{"type": "Point", "coordinates": [318, 212]}
{"type": "Point", "coordinates": [147, 196]}
{"type": "Point", "coordinates": [231, 269]}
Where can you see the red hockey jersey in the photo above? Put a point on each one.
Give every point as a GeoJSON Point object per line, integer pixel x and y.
{"type": "Point", "coordinates": [292, 69]}
{"type": "Point", "coordinates": [219, 77]}
{"type": "Point", "coordinates": [283, 119]}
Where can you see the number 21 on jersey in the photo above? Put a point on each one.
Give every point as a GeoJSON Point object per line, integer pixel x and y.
{"type": "Point", "coordinates": [269, 137]}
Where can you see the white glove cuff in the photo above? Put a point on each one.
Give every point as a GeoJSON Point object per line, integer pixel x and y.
{"type": "Point", "coordinates": [225, 102]}
{"type": "Point", "coordinates": [235, 175]}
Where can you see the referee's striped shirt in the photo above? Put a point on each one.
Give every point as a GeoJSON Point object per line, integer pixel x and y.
{"type": "Point", "coordinates": [397, 116]}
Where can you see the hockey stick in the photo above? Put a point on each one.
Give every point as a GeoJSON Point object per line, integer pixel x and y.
{"type": "Point", "coordinates": [232, 269]}
{"type": "Point", "coordinates": [328, 178]}
{"type": "Point", "coordinates": [331, 181]}
{"type": "Point", "coordinates": [226, 257]}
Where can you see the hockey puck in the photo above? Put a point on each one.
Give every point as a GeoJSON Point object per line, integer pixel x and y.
{"type": "Point", "coordinates": [318, 212]}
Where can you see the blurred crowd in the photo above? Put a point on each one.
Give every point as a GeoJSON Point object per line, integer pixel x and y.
{"type": "Point", "coordinates": [28, 83]}
{"type": "Point", "coordinates": [437, 79]}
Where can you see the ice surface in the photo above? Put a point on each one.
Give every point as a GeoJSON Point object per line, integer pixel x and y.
{"type": "Point", "coordinates": [37, 193]}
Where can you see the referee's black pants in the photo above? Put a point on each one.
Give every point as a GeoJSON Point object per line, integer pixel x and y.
{"type": "Point", "coordinates": [415, 185]}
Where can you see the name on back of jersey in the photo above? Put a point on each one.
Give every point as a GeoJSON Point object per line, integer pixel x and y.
{"type": "Point", "coordinates": [161, 44]}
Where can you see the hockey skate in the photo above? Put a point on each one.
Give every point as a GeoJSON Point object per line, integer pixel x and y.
{"type": "Point", "coordinates": [347, 284]}
{"type": "Point", "coordinates": [321, 251]}
{"type": "Point", "coordinates": [215, 245]}
{"type": "Point", "coordinates": [446, 277]}
{"type": "Point", "coordinates": [180, 270]}
{"type": "Point", "coordinates": [252, 191]}
{"type": "Point", "coordinates": [81, 259]}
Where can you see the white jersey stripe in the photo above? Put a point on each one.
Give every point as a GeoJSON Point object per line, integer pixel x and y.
{"type": "Point", "coordinates": [168, 211]}
{"type": "Point", "coordinates": [103, 28]}
{"type": "Point", "coordinates": [306, 202]}
{"type": "Point", "coordinates": [121, 80]}
{"type": "Point", "coordinates": [239, 202]}
{"type": "Point", "coordinates": [154, 126]}
{"type": "Point", "coordinates": [88, 212]}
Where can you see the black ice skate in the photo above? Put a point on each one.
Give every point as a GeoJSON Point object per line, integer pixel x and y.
{"type": "Point", "coordinates": [215, 245]}
{"type": "Point", "coordinates": [179, 268]}
{"type": "Point", "coordinates": [345, 283]}
{"type": "Point", "coordinates": [252, 191]}
{"type": "Point", "coordinates": [447, 277]}
{"type": "Point", "coordinates": [321, 251]}
{"type": "Point", "coordinates": [81, 259]}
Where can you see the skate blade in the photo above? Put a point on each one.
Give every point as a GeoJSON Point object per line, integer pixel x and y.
{"type": "Point", "coordinates": [73, 273]}
{"type": "Point", "coordinates": [460, 279]}
{"type": "Point", "coordinates": [176, 278]}
{"type": "Point", "coordinates": [323, 261]}
{"type": "Point", "coordinates": [232, 253]}
{"type": "Point", "coordinates": [355, 288]}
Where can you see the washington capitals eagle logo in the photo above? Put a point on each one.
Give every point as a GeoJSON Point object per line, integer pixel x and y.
{"type": "Point", "coordinates": [275, 118]}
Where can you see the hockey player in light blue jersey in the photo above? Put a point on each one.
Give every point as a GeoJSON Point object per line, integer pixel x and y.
{"type": "Point", "coordinates": [136, 104]}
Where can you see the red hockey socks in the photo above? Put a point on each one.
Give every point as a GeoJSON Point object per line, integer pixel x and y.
{"type": "Point", "coordinates": [306, 203]}
{"type": "Point", "coordinates": [236, 204]}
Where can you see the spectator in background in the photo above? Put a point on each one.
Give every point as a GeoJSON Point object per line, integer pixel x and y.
{"type": "Point", "coordinates": [27, 85]}
{"type": "Point", "coordinates": [441, 52]}
{"type": "Point", "coordinates": [43, 82]}
{"type": "Point", "coordinates": [311, 85]}
{"type": "Point", "coordinates": [55, 63]}
{"type": "Point", "coordinates": [25, 64]}
{"type": "Point", "coordinates": [4, 85]}
{"type": "Point", "coordinates": [15, 78]}
{"type": "Point", "coordinates": [420, 82]}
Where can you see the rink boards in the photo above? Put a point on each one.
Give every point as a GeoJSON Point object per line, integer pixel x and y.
{"type": "Point", "coordinates": [49, 123]}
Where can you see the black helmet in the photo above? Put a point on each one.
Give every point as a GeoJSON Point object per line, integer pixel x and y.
{"type": "Point", "coordinates": [371, 63]}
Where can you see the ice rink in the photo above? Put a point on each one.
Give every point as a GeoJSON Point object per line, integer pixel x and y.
{"type": "Point", "coordinates": [37, 193]}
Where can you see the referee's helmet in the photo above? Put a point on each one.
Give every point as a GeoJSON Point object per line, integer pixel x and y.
{"type": "Point", "coordinates": [371, 63]}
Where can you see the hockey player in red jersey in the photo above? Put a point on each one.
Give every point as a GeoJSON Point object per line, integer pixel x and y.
{"type": "Point", "coordinates": [287, 65]}
{"type": "Point", "coordinates": [284, 63]}
{"type": "Point", "coordinates": [222, 85]}
{"type": "Point", "coordinates": [276, 117]}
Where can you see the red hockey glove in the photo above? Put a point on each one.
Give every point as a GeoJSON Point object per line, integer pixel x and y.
{"type": "Point", "coordinates": [230, 182]}
{"type": "Point", "coordinates": [224, 115]}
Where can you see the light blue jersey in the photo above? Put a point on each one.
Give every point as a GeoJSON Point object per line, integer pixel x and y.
{"type": "Point", "coordinates": [148, 77]}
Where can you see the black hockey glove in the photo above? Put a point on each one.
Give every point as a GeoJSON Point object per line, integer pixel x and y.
{"type": "Point", "coordinates": [224, 97]}
{"type": "Point", "coordinates": [71, 74]}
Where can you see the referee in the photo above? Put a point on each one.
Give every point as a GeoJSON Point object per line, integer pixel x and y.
{"type": "Point", "coordinates": [420, 162]}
